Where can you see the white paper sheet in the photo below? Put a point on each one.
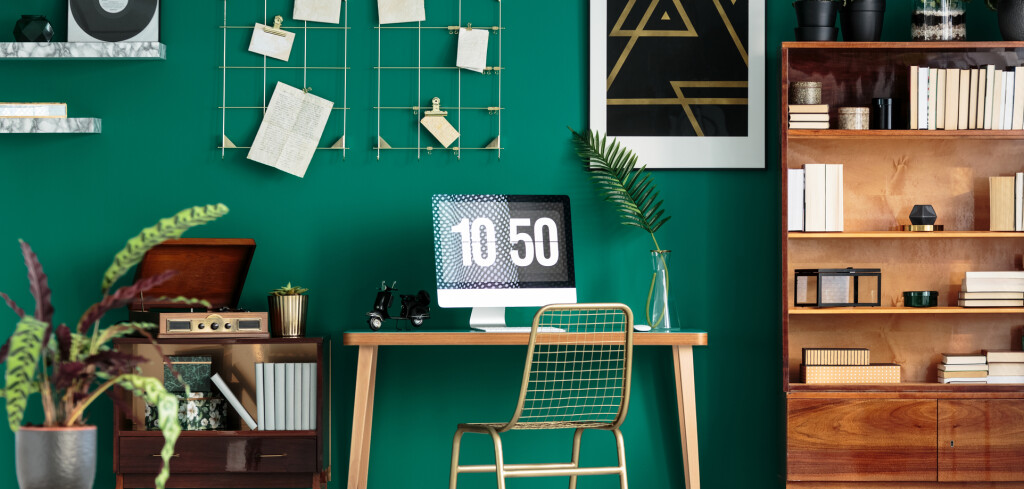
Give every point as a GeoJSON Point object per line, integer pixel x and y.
{"type": "Point", "coordinates": [472, 49]}
{"type": "Point", "coordinates": [326, 11]}
{"type": "Point", "coordinates": [398, 11]}
{"type": "Point", "coordinates": [290, 130]}
{"type": "Point", "coordinates": [267, 44]}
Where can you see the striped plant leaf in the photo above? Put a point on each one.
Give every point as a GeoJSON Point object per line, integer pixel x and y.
{"type": "Point", "coordinates": [168, 228]}
{"type": "Point", "coordinates": [22, 362]}
{"type": "Point", "coordinates": [152, 390]}
{"type": "Point", "coordinates": [120, 297]}
{"type": "Point", "coordinates": [120, 330]}
{"type": "Point", "coordinates": [38, 283]}
{"type": "Point", "coordinates": [10, 303]}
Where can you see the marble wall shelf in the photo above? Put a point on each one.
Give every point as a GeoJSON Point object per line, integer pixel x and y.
{"type": "Point", "coordinates": [82, 50]}
{"type": "Point", "coordinates": [84, 125]}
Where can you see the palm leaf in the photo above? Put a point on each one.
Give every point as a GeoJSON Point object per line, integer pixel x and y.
{"type": "Point", "coordinates": [168, 228]}
{"type": "Point", "coordinates": [38, 283]}
{"type": "Point", "coordinates": [120, 297]}
{"type": "Point", "coordinates": [22, 361]}
{"type": "Point", "coordinates": [152, 390]}
{"type": "Point", "coordinates": [14, 307]}
{"type": "Point", "coordinates": [613, 169]}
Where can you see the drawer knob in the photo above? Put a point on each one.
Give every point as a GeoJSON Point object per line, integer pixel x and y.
{"type": "Point", "coordinates": [176, 455]}
{"type": "Point", "coordinates": [277, 455]}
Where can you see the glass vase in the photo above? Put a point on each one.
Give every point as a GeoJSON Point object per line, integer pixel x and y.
{"type": "Point", "coordinates": [659, 310]}
{"type": "Point", "coordinates": [939, 20]}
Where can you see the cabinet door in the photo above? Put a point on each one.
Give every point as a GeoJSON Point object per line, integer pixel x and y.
{"type": "Point", "coordinates": [981, 440]}
{"type": "Point", "coordinates": [861, 440]}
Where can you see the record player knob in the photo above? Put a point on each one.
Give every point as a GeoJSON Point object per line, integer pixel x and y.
{"type": "Point", "coordinates": [227, 325]}
{"type": "Point", "coordinates": [214, 326]}
{"type": "Point", "coordinates": [202, 325]}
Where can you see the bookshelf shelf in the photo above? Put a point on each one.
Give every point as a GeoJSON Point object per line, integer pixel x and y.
{"type": "Point", "coordinates": [929, 390]}
{"type": "Point", "coordinates": [908, 235]}
{"type": "Point", "coordinates": [904, 134]}
{"type": "Point", "coordinates": [83, 51]}
{"type": "Point", "coordinates": [903, 310]}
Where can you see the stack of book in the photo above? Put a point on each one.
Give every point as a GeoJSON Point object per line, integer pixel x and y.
{"type": "Point", "coordinates": [808, 116]}
{"type": "Point", "coordinates": [845, 366]}
{"type": "Point", "coordinates": [1006, 203]}
{"type": "Point", "coordinates": [815, 196]}
{"type": "Point", "coordinates": [1005, 367]}
{"type": "Point", "coordinates": [992, 289]}
{"type": "Point", "coordinates": [286, 396]}
{"type": "Point", "coordinates": [976, 98]}
{"type": "Point", "coordinates": [963, 369]}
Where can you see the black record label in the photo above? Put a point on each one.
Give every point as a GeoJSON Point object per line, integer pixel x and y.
{"type": "Point", "coordinates": [113, 20]}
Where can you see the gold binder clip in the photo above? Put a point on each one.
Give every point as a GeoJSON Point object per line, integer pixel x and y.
{"type": "Point", "coordinates": [469, 26]}
{"type": "Point", "coordinates": [307, 89]}
{"type": "Point", "coordinates": [276, 30]}
{"type": "Point", "coordinates": [436, 111]}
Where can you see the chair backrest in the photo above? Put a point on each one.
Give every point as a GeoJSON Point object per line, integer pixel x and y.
{"type": "Point", "coordinates": [579, 378]}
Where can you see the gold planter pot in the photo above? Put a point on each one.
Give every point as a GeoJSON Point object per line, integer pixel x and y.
{"type": "Point", "coordinates": [288, 315]}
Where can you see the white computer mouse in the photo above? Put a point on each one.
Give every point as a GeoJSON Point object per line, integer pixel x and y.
{"type": "Point", "coordinates": [641, 327]}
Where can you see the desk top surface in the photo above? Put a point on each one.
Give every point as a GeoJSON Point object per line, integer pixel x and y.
{"type": "Point", "coordinates": [439, 337]}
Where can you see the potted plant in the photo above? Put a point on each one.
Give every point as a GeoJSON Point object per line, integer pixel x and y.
{"type": "Point", "coordinates": [861, 20]}
{"type": "Point", "coordinates": [816, 20]}
{"type": "Point", "coordinates": [71, 366]}
{"type": "Point", "coordinates": [1011, 18]}
{"type": "Point", "coordinates": [288, 311]}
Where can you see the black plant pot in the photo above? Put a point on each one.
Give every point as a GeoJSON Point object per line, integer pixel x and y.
{"type": "Point", "coordinates": [33, 28]}
{"type": "Point", "coordinates": [861, 20]}
{"type": "Point", "coordinates": [815, 13]}
{"type": "Point", "coordinates": [1011, 19]}
{"type": "Point", "coordinates": [816, 33]}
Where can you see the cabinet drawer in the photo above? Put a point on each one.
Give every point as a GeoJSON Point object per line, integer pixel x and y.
{"type": "Point", "coordinates": [212, 454]}
{"type": "Point", "coordinates": [861, 440]}
{"type": "Point", "coordinates": [981, 440]}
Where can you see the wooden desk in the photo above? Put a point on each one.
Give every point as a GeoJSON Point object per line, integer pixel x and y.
{"type": "Point", "coordinates": [681, 341]}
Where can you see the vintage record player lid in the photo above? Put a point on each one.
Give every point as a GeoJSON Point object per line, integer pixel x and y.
{"type": "Point", "coordinates": [210, 269]}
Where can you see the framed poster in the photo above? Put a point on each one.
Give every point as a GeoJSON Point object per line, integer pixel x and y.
{"type": "Point", "coordinates": [680, 82]}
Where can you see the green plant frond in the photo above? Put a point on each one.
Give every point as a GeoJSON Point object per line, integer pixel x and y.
{"type": "Point", "coordinates": [122, 329]}
{"type": "Point", "coordinates": [152, 390]}
{"type": "Point", "coordinates": [167, 228]}
{"type": "Point", "coordinates": [188, 301]}
{"type": "Point", "coordinates": [22, 363]}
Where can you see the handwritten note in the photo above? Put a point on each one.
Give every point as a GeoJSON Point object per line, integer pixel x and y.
{"type": "Point", "coordinates": [472, 53]}
{"type": "Point", "coordinates": [326, 11]}
{"type": "Point", "coordinates": [398, 11]}
{"type": "Point", "coordinates": [290, 130]}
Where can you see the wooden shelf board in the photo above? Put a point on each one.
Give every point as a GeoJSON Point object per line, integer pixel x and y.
{"type": "Point", "coordinates": [903, 134]}
{"type": "Point", "coordinates": [916, 46]}
{"type": "Point", "coordinates": [905, 235]}
{"type": "Point", "coordinates": [225, 433]}
{"type": "Point", "coordinates": [931, 388]}
{"type": "Point", "coordinates": [85, 50]}
{"type": "Point", "coordinates": [904, 310]}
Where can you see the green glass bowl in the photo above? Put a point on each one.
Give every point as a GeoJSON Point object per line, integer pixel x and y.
{"type": "Point", "coordinates": [921, 298]}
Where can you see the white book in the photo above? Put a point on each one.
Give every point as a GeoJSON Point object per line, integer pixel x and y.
{"type": "Point", "coordinates": [304, 395]}
{"type": "Point", "coordinates": [972, 101]}
{"type": "Point", "coordinates": [1003, 274]}
{"type": "Point", "coordinates": [952, 100]}
{"type": "Point", "coordinates": [1018, 204]}
{"type": "Point", "coordinates": [933, 97]}
{"type": "Point", "coordinates": [990, 95]}
{"type": "Point", "coordinates": [962, 359]}
{"type": "Point", "coordinates": [795, 186]}
{"type": "Point", "coordinates": [814, 197]}
{"type": "Point", "coordinates": [1008, 81]}
{"type": "Point", "coordinates": [268, 396]}
{"type": "Point", "coordinates": [1018, 98]}
{"type": "Point", "coordinates": [833, 197]}
{"type": "Point", "coordinates": [289, 391]}
{"type": "Point", "coordinates": [913, 96]}
{"type": "Point", "coordinates": [1006, 369]}
{"type": "Point", "coordinates": [998, 98]}
{"type": "Point", "coordinates": [1006, 379]}
{"type": "Point", "coordinates": [970, 367]}
{"type": "Point", "coordinates": [313, 395]}
{"type": "Point", "coordinates": [297, 395]}
{"type": "Point", "coordinates": [992, 285]}
{"type": "Point", "coordinates": [261, 410]}
{"type": "Point", "coordinates": [922, 98]}
{"type": "Point", "coordinates": [230, 396]}
{"type": "Point", "coordinates": [965, 92]}
{"type": "Point", "coordinates": [940, 99]}
{"type": "Point", "coordinates": [982, 82]}
{"type": "Point", "coordinates": [969, 380]}
{"type": "Point", "coordinates": [279, 398]}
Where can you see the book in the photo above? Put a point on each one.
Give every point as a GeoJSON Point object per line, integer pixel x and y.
{"type": "Point", "coordinates": [978, 380]}
{"type": "Point", "coordinates": [969, 367]}
{"type": "Point", "coordinates": [795, 192]}
{"type": "Point", "coordinates": [289, 396]}
{"type": "Point", "coordinates": [279, 399]}
{"type": "Point", "coordinates": [836, 356]}
{"type": "Point", "coordinates": [1004, 356]}
{"type": "Point", "coordinates": [933, 98]}
{"type": "Point", "coordinates": [990, 302]}
{"type": "Point", "coordinates": [991, 285]}
{"type": "Point", "coordinates": [965, 91]}
{"type": "Point", "coordinates": [1006, 379]}
{"type": "Point", "coordinates": [1018, 98]}
{"type": "Point", "coordinates": [233, 401]}
{"type": "Point", "coordinates": [1018, 201]}
{"type": "Point", "coordinates": [996, 274]}
{"type": "Point", "coordinates": [1008, 81]}
{"type": "Point", "coordinates": [261, 410]}
{"type": "Point", "coordinates": [998, 99]}
{"type": "Point", "coordinates": [808, 125]}
{"type": "Point", "coordinates": [303, 370]}
{"type": "Point", "coordinates": [313, 392]}
{"type": "Point", "coordinates": [808, 109]}
{"type": "Point", "coordinates": [952, 99]}
{"type": "Point", "coordinates": [922, 97]}
{"type": "Point", "coordinates": [810, 117]}
{"type": "Point", "coordinates": [297, 396]}
{"type": "Point", "coordinates": [990, 78]}
{"type": "Point", "coordinates": [913, 96]}
{"type": "Point", "coordinates": [963, 358]}
{"type": "Point", "coordinates": [876, 373]}
{"type": "Point", "coordinates": [1001, 202]}
{"type": "Point", "coordinates": [965, 374]}
{"type": "Point", "coordinates": [833, 197]}
{"type": "Point", "coordinates": [972, 101]}
{"type": "Point", "coordinates": [33, 110]}
{"type": "Point", "coordinates": [982, 82]}
{"type": "Point", "coordinates": [940, 98]}
{"type": "Point", "coordinates": [992, 295]}
{"type": "Point", "coordinates": [1006, 368]}
{"type": "Point", "coordinates": [814, 197]}
{"type": "Point", "coordinates": [268, 396]}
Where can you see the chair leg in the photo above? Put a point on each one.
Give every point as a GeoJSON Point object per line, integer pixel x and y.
{"type": "Point", "coordinates": [575, 455]}
{"type": "Point", "coordinates": [620, 447]}
{"type": "Point", "coordinates": [453, 478]}
{"type": "Point", "coordinates": [499, 458]}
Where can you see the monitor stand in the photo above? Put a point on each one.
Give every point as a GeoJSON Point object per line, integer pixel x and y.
{"type": "Point", "coordinates": [487, 316]}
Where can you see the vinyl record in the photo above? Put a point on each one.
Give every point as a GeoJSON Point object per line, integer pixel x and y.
{"type": "Point", "coordinates": [113, 20]}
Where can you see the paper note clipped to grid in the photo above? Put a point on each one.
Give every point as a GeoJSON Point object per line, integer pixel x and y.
{"type": "Point", "coordinates": [269, 44]}
{"type": "Point", "coordinates": [472, 49]}
{"type": "Point", "coordinates": [398, 11]}
{"type": "Point", "coordinates": [290, 130]}
{"type": "Point", "coordinates": [441, 129]}
{"type": "Point", "coordinates": [326, 11]}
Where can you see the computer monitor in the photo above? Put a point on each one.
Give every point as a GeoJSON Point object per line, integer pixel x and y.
{"type": "Point", "coordinates": [498, 251]}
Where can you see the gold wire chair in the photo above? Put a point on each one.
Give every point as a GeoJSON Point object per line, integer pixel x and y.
{"type": "Point", "coordinates": [575, 379]}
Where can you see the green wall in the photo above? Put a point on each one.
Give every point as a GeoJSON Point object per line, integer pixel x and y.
{"type": "Point", "coordinates": [356, 221]}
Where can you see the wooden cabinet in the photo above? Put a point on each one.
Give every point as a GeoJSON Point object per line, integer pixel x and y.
{"type": "Point", "coordinates": [863, 433]}
{"type": "Point", "coordinates": [236, 457]}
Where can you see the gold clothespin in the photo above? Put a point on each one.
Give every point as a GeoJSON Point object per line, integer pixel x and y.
{"type": "Point", "coordinates": [276, 30]}
{"type": "Point", "coordinates": [436, 111]}
{"type": "Point", "coordinates": [469, 26]}
{"type": "Point", "coordinates": [307, 89]}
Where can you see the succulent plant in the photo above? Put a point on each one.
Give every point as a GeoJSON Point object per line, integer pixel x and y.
{"type": "Point", "coordinates": [289, 290]}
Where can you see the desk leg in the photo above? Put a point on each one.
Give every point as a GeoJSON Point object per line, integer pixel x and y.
{"type": "Point", "coordinates": [362, 417]}
{"type": "Point", "coordinates": [682, 358]}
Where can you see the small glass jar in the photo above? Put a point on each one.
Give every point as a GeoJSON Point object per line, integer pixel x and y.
{"type": "Point", "coordinates": [939, 20]}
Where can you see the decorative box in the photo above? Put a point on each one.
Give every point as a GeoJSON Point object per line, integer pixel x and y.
{"type": "Point", "coordinates": [194, 370]}
{"type": "Point", "coordinates": [200, 412]}
{"type": "Point", "coordinates": [854, 118]}
{"type": "Point", "coordinates": [805, 93]}
{"type": "Point", "coordinates": [838, 287]}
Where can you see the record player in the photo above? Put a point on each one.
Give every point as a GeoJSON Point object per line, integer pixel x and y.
{"type": "Point", "coordinates": [209, 269]}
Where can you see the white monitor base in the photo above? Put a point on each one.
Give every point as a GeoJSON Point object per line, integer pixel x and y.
{"type": "Point", "coordinates": [487, 316]}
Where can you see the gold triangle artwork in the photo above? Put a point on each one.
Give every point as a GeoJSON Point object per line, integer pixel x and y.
{"type": "Point", "coordinates": [495, 143]}
{"type": "Point", "coordinates": [339, 144]}
{"type": "Point", "coordinates": [382, 144]}
{"type": "Point", "coordinates": [228, 143]}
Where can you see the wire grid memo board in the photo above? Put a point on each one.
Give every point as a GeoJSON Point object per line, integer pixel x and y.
{"type": "Point", "coordinates": [472, 100]}
{"type": "Point", "coordinates": [312, 64]}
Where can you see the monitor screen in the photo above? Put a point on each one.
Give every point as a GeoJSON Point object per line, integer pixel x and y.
{"type": "Point", "coordinates": [503, 250]}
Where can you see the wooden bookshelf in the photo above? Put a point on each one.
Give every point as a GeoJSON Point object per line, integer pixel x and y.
{"type": "Point", "coordinates": [835, 432]}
